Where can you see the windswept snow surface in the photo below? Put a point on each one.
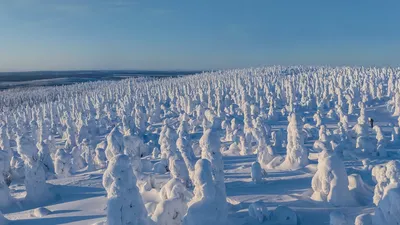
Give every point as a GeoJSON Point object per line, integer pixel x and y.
{"type": "Point", "coordinates": [165, 126]}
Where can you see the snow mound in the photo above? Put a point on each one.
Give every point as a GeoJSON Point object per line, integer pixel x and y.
{"type": "Point", "coordinates": [41, 212]}
{"type": "Point", "coordinates": [284, 215]}
{"type": "Point", "coordinates": [256, 173]}
{"type": "Point", "coordinates": [259, 211]}
{"type": "Point", "coordinates": [360, 190]}
{"type": "Point", "coordinates": [337, 218]}
{"type": "Point", "coordinates": [363, 219]}
{"type": "Point", "coordinates": [3, 220]}
{"type": "Point", "coordinates": [233, 150]}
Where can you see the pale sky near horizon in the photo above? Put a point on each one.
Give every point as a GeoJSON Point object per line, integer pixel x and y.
{"type": "Point", "coordinates": [191, 34]}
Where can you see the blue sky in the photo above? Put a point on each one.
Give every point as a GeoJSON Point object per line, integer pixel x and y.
{"type": "Point", "coordinates": [196, 34]}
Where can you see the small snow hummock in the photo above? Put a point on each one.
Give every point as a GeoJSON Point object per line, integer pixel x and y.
{"type": "Point", "coordinates": [161, 167]}
{"type": "Point", "coordinates": [3, 220]}
{"type": "Point", "coordinates": [363, 219]}
{"type": "Point", "coordinates": [267, 157]}
{"type": "Point", "coordinates": [361, 192]}
{"type": "Point", "coordinates": [41, 212]}
{"type": "Point", "coordinates": [284, 215]}
{"type": "Point", "coordinates": [256, 172]}
{"type": "Point", "coordinates": [337, 218]}
{"type": "Point", "coordinates": [259, 211]}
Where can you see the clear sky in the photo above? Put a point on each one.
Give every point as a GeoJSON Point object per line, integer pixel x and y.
{"type": "Point", "coordinates": [196, 34]}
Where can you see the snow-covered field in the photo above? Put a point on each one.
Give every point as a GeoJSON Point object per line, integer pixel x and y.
{"type": "Point", "coordinates": [272, 145]}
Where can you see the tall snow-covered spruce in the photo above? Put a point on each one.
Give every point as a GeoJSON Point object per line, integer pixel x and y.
{"type": "Point", "coordinates": [211, 150]}
{"type": "Point", "coordinates": [296, 153]}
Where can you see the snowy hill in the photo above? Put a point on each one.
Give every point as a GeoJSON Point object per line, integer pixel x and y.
{"type": "Point", "coordinates": [273, 145]}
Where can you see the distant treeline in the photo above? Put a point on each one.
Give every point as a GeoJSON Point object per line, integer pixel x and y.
{"type": "Point", "coordinates": [40, 75]}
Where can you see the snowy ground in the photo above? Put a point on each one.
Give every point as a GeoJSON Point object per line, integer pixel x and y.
{"type": "Point", "coordinates": [80, 199]}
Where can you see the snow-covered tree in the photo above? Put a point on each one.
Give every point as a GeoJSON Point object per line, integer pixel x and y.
{"type": "Point", "coordinates": [115, 144]}
{"type": "Point", "coordinates": [204, 207]}
{"type": "Point", "coordinates": [173, 206]}
{"type": "Point", "coordinates": [256, 172]}
{"type": "Point", "coordinates": [296, 153]}
{"type": "Point", "coordinates": [3, 220]}
{"type": "Point", "coordinates": [35, 177]}
{"type": "Point", "coordinates": [45, 157]}
{"type": "Point", "coordinates": [323, 140]}
{"type": "Point", "coordinates": [186, 150]}
{"type": "Point", "coordinates": [167, 141]}
{"type": "Point", "coordinates": [276, 139]}
{"type": "Point", "coordinates": [337, 218]}
{"type": "Point", "coordinates": [5, 141]}
{"type": "Point", "coordinates": [388, 208]}
{"type": "Point", "coordinates": [379, 176]}
{"type": "Point", "coordinates": [364, 219]}
{"type": "Point", "coordinates": [259, 211]}
{"type": "Point", "coordinates": [88, 154]}
{"type": "Point", "coordinates": [5, 197]}
{"type": "Point", "coordinates": [179, 171]}
{"type": "Point", "coordinates": [140, 119]}
{"type": "Point", "coordinates": [245, 144]}
{"type": "Point", "coordinates": [133, 147]}
{"type": "Point", "coordinates": [69, 136]}
{"type": "Point", "coordinates": [124, 204]}
{"type": "Point", "coordinates": [78, 162]}
{"type": "Point", "coordinates": [100, 155]}
{"type": "Point", "coordinates": [330, 183]}
{"type": "Point", "coordinates": [381, 142]}
{"type": "Point", "coordinates": [63, 163]}
{"type": "Point", "coordinates": [211, 150]}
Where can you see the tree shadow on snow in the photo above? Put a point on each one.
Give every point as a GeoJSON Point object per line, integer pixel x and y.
{"type": "Point", "coordinates": [73, 193]}
{"type": "Point", "coordinates": [288, 186]}
{"type": "Point", "coordinates": [237, 175]}
{"type": "Point", "coordinates": [238, 159]}
{"type": "Point", "coordinates": [64, 211]}
{"type": "Point", "coordinates": [52, 221]}
{"type": "Point", "coordinates": [62, 194]}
